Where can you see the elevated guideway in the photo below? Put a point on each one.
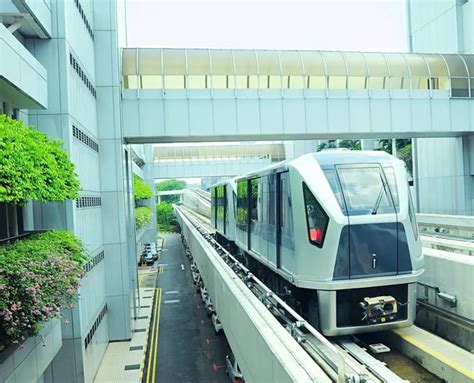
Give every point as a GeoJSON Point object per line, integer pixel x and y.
{"type": "Point", "coordinates": [270, 340]}
{"type": "Point", "coordinates": [451, 320]}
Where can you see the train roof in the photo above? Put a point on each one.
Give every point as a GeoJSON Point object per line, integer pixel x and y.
{"type": "Point", "coordinates": [326, 158]}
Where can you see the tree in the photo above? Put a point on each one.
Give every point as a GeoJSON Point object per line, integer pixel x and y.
{"type": "Point", "coordinates": [325, 145]}
{"type": "Point", "coordinates": [170, 185]}
{"type": "Point", "coordinates": [350, 144]}
{"type": "Point", "coordinates": [405, 155]}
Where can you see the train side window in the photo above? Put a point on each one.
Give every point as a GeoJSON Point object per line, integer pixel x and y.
{"type": "Point", "coordinates": [242, 193]}
{"type": "Point", "coordinates": [411, 214]}
{"type": "Point", "coordinates": [392, 184]}
{"type": "Point", "coordinates": [316, 218]}
{"type": "Point", "coordinates": [336, 188]}
{"type": "Point", "coordinates": [254, 187]}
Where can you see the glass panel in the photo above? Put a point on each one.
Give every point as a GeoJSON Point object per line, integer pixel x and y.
{"type": "Point", "coordinates": [334, 183]}
{"type": "Point", "coordinates": [242, 204]}
{"type": "Point", "coordinates": [219, 82]}
{"type": "Point", "coordinates": [174, 61]}
{"type": "Point", "coordinates": [263, 82]}
{"type": "Point", "coordinates": [198, 61]}
{"type": "Point", "coordinates": [392, 184]}
{"type": "Point", "coordinates": [296, 82]}
{"type": "Point", "coordinates": [316, 219]}
{"type": "Point", "coordinates": [196, 82]}
{"type": "Point", "coordinates": [317, 82]}
{"type": "Point", "coordinates": [253, 82]}
{"type": "Point", "coordinates": [149, 61]}
{"type": "Point", "coordinates": [469, 59]}
{"type": "Point", "coordinates": [290, 63]}
{"type": "Point", "coordinates": [174, 82]}
{"type": "Point", "coordinates": [396, 65]}
{"type": "Point", "coordinates": [152, 82]}
{"type": "Point", "coordinates": [130, 82]}
{"type": "Point", "coordinates": [456, 65]}
{"type": "Point", "coordinates": [337, 82]}
{"type": "Point", "coordinates": [459, 87]}
{"type": "Point", "coordinates": [241, 82]}
{"type": "Point", "coordinates": [377, 83]}
{"type": "Point", "coordinates": [268, 62]}
{"type": "Point", "coordinates": [421, 82]}
{"type": "Point", "coordinates": [365, 190]}
{"type": "Point", "coordinates": [313, 63]}
{"type": "Point", "coordinates": [355, 64]}
{"type": "Point", "coordinates": [245, 62]}
{"type": "Point", "coordinates": [275, 82]}
{"type": "Point", "coordinates": [129, 63]}
{"type": "Point", "coordinates": [437, 65]}
{"type": "Point", "coordinates": [222, 61]}
{"type": "Point", "coordinates": [376, 64]}
{"type": "Point", "coordinates": [335, 65]}
{"type": "Point", "coordinates": [417, 65]}
{"type": "Point", "coordinates": [356, 82]}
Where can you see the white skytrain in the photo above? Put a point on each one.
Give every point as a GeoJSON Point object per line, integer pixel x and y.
{"type": "Point", "coordinates": [334, 233]}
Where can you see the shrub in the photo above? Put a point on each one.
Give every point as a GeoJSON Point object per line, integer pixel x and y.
{"type": "Point", "coordinates": [140, 189]}
{"type": "Point", "coordinates": [165, 214]}
{"type": "Point", "coordinates": [38, 276]}
{"type": "Point", "coordinates": [33, 166]}
{"type": "Point", "coordinates": [142, 216]}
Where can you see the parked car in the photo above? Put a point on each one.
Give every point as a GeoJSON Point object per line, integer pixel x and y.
{"type": "Point", "coordinates": [233, 370]}
{"type": "Point", "coordinates": [216, 323]}
{"type": "Point", "coordinates": [149, 259]}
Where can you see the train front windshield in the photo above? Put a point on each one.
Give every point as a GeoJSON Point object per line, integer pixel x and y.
{"type": "Point", "coordinates": [364, 189]}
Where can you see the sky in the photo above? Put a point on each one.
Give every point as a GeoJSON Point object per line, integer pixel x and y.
{"type": "Point", "coordinates": [377, 25]}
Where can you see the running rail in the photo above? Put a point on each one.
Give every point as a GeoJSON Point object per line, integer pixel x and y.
{"type": "Point", "coordinates": [336, 364]}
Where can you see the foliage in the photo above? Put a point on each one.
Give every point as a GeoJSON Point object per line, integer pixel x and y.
{"type": "Point", "coordinates": [38, 276]}
{"type": "Point", "coordinates": [170, 185]}
{"type": "Point", "coordinates": [405, 155]}
{"type": "Point", "coordinates": [165, 216]}
{"type": "Point", "coordinates": [386, 144]}
{"type": "Point", "coordinates": [350, 144]}
{"type": "Point", "coordinates": [142, 216]}
{"type": "Point", "coordinates": [140, 189]}
{"type": "Point", "coordinates": [33, 166]}
{"type": "Point", "coordinates": [324, 145]}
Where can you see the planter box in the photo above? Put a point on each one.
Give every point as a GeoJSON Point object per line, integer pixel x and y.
{"type": "Point", "coordinates": [28, 364]}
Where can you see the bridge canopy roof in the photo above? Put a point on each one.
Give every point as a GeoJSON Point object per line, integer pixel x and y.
{"type": "Point", "coordinates": [167, 68]}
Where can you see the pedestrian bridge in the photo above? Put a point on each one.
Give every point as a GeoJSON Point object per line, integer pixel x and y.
{"type": "Point", "coordinates": [183, 95]}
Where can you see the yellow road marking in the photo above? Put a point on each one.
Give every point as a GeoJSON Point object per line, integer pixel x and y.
{"type": "Point", "coordinates": [152, 349]}
{"type": "Point", "coordinates": [157, 333]}
{"type": "Point", "coordinates": [437, 355]}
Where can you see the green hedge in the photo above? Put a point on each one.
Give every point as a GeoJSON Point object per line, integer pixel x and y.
{"type": "Point", "coordinates": [140, 189]}
{"type": "Point", "coordinates": [33, 166]}
{"type": "Point", "coordinates": [38, 276]}
{"type": "Point", "coordinates": [142, 216]}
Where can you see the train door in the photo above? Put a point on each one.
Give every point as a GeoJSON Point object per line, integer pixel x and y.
{"type": "Point", "coordinates": [285, 237]}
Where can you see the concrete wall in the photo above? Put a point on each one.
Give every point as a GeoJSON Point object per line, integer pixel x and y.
{"type": "Point", "coordinates": [444, 167]}
{"type": "Point", "coordinates": [28, 364]}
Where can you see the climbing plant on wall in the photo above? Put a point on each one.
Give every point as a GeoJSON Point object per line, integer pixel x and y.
{"type": "Point", "coordinates": [33, 166]}
{"type": "Point", "coordinates": [142, 216]}
{"type": "Point", "coordinates": [140, 189]}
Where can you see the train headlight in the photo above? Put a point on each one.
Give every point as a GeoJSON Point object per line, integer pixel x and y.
{"type": "Point", "coordinates": [379, 309]}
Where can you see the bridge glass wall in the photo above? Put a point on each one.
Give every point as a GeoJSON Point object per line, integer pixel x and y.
{"type": "Point", "coordinates": [155, 68]}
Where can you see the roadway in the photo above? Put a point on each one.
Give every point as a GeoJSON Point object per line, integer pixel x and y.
{"type": "Point", "coordinates": [182, 344]}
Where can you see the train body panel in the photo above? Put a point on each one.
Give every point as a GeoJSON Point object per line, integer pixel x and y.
{"type": "Point", "coordinates": [340, 224]}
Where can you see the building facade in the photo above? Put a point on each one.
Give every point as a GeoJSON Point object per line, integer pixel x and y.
{"type": "Point", "coordinates": [60, 73]}
{"type": "Point", "coordinates": [444, 164]}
